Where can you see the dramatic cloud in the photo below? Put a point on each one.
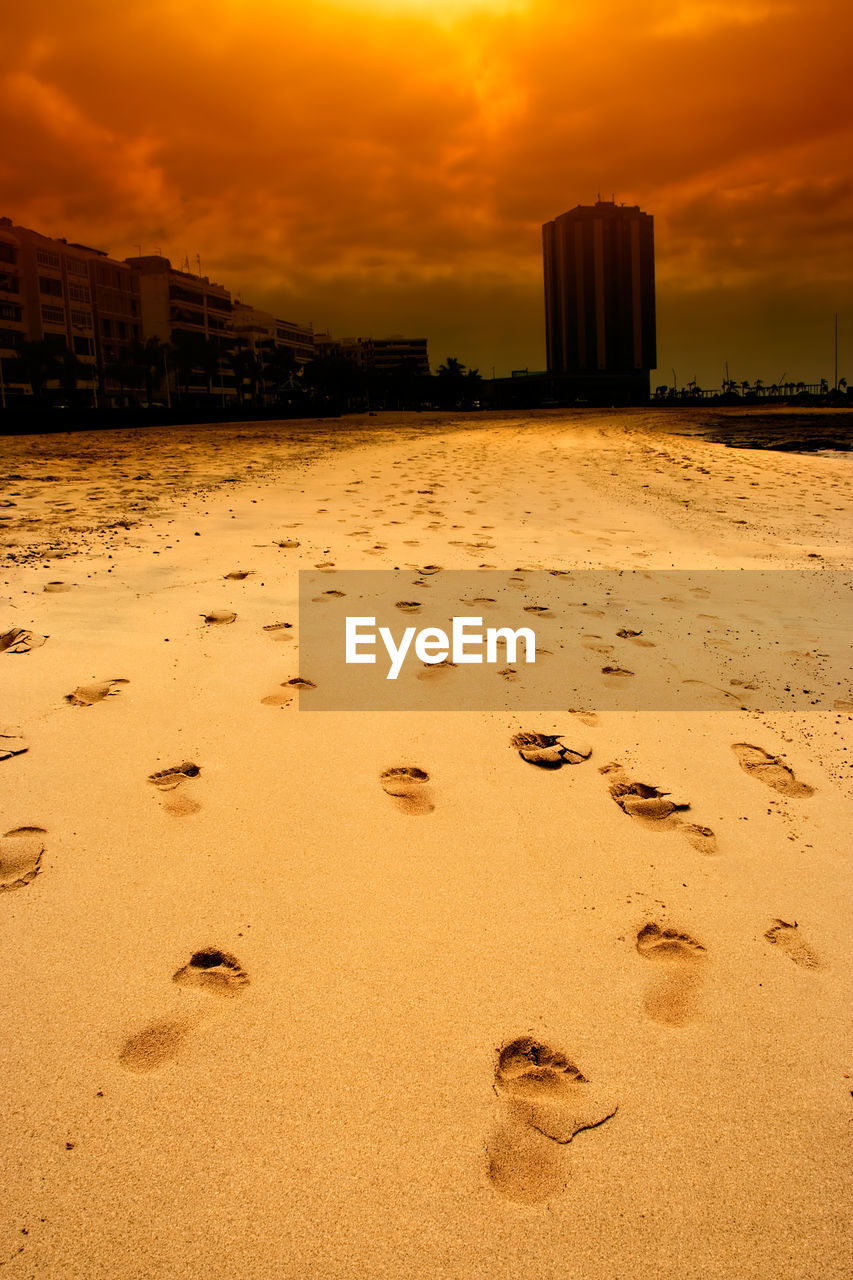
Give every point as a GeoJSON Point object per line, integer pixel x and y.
{"type": "Point", "coordinates": [387, 166]}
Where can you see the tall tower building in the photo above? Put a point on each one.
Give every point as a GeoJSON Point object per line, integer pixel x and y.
{"type": "Point", "coordinates": [600, 295]}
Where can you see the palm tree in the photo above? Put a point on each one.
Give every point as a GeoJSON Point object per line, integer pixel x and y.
{"type": "Point", "coordinates": [147, 359]}
{"type": "Point", "coordinates": [126, 372]}
{"type": "Point", "coordinates": [457, 386]}
{"type": "Point", "coordinates": [71, 370]}
{"type": "Point", "coordinates": [244, 364]}
{"type": "Point", "coordinates": [40, 365]}
{"type": "Point", "coordinates": [279, 370]}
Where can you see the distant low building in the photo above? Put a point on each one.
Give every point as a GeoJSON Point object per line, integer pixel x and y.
{"type": "Point", "coordinates": [279, 348]}
{"type": "Point", "coordinates": [381, 355]}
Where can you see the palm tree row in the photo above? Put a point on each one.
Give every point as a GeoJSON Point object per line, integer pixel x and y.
{"type": "Point", "coordinates": [193, 367]}
{"type": "Point", "coordinates": [153, 372]}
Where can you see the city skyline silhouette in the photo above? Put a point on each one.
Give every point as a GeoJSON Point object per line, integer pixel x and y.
{"type": "Point", "coordinates": [384, 168]}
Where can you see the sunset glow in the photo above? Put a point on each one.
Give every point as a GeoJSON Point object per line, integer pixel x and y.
{"type": "Point", "coordinates": [380, 166]}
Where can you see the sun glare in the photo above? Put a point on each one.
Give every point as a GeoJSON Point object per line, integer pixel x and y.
{"type": "Point", "coordinates": [439, 10]}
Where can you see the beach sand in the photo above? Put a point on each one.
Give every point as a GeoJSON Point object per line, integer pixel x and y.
{"type": "Point", "coordinates": [266, 1014]}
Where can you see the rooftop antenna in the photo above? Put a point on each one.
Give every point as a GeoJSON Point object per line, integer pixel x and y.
{"type": "Point", "coordinates": [139, 251]}
{"type": "Point", "coordinates": [198, 260]}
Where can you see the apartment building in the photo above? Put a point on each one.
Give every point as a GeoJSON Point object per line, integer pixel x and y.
{"type": "Point", "coordinates": [379, 355]}
{"type": "Point", "coordinates": [261, 331]}
{"type": "Point", "coordinates": [600, 293]}
{"type": "Point", "coordinates": [46, 297]}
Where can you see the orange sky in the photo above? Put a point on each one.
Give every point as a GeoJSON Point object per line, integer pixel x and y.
{"type": "Point", "coordinates": [386, 167]}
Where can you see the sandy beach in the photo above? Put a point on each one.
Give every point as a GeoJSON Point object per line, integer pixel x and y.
{"type": "Point", "coordinates": [269, 1014]}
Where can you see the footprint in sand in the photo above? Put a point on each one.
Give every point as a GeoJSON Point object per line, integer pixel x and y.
{"type": "Point", "coordinates": [55, 587]}
{"type": "Point", "coordinates": [408, 606]}
{"type": "Point", "coordinates": [219, 617]}
{"type": "Point", "coordinates": [238, 575]}
{"type": "Point", "coordinates": [20, 640]}
{"type": "Point", "coordinates": [156, 1045]}
{"type": "Point", "coordinates": [673, 997]}
{"type": "Point", "coordinates": [407, 785]}
{"type": "Point", "coordinates": [86, 695]}
{"type": "Point", "coordinates": [213, 970]}
{"type": "Point", "coordinates": [435, 669]}
{"type": "Point", "coordinates": [12, 744]}
{"type": "Point", "coordinates": [210, 971]}
{"type": "Point", "coordinates": [635, 637]}
{"type": "Point", "coordinates": [770, 770]}
{"type": "Point", "coordinates": [596, 644]}
{"type": "Point", "coordinates": [548, 750]}
{"type": "Point", "coordinates": [289, 687]}
{"type": "Point", "coordinates": [653, 808]}
{"type": "Point", "coordinates": [544, 1100]}
{"type": "Point", "coordinates": [279, 630]}
{"type": "Point", "coordinates": [21, 852]}
{"type": "Point", "coordinates": [169, 780]}
{"type": "Point", "coordinates": [287, 544]}
{"type": "Point", "coordinates": [786, 937]}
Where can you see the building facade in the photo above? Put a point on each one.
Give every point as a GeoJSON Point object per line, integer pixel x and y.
{"type": "Point", "coordinates": [49, 296]}
{"type": "Point", "coordinates": [600, 295]}
{"type": "Point", "coordinates": [379, 355]}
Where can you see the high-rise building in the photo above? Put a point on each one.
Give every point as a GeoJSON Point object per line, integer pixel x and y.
{"type": "Point", "coordinates": [600, 295]}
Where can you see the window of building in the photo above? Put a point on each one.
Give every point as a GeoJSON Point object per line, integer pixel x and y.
{"type": "Point", "coordinates": [50, 286]}
{"type": "Point", "coordinates": [83, 346]}
{"type": "Point", "coordinates": [78, 294]}
{"type": "Point", "coordinates": [8, 252]}
{"type": "Point", "coordinates": [136, 333]}
{"type": "Point", "coordinates": [9, 282]}
{"type": "Point", "coordinates": [10, 338]}
{"type": "Point", "coordinates": [122, 329]}
{"type": "Point", "coordinates": [55, 343]}
{"type": "Point", "coordinates": [82, 319]}
{"type": "Point", "coordinates": [76, 267]}
{"type": "Point", "coordinates": [10, 311]}
{"type": "Point", "coordinates": [107, 328]}
{"type": "Point", "coordinates": [53, 315]}
{"type": "Point", "coordinates": [45, 259]}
